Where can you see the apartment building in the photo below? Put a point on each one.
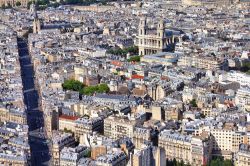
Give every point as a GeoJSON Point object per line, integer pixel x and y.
{"type": "Point", "coordinates": [226, 140]}
{"type": "Point", "coordinates": [12, 115]}
{"type": "Point", "coordinates": [191, 149]}
{"type": "Point", "coordinates": [158, 91]}
{"type": "Point", "coordinates": [117, 127]}
{"type": "Point", "coordinates": [88, 125]}
{"type": "Point", "coordinates": [112, 158]}
{"type": "Point", "coordinates": [71, 156]}
{"type": "Point", "coordinates": [122, 126]}
{"type": "Point", "coordinates": [243, 156]}
{"type": "Point", "coordinates": [235, 76]}
{"type": "Point", "coordinates": [141, 135]}
{"type": "Point", "coordinates": [206, 2]}
{"type": "Point", "coordinates": [51, 120]}
{"type": "Point", "coordinates": [59, 141]}
{"type": "Point", "coordinates": [13, 159]}
{"type": "Point", "coordinates": [148, 155]}
{"type": "Point", "coordinates": [242, 97]}
{"type": "Point", "coordinates": [203, 62]}
{"type": "Point", "coordinates": [67, 122]}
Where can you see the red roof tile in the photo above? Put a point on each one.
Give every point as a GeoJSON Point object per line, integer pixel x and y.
{"type": "Point", "coordinates": [116, 63]}
{"type": "Point", "coordinates": [136, 76]}
{"type": "Point", "coordinates": [67, 117]}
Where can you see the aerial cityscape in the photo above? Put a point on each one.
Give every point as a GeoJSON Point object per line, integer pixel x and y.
{"type": "Point", "coordinates": [125, 83]}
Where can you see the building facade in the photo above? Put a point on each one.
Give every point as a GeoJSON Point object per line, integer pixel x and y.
{"type": "Point", "coordinates": [86, 126]}
{"type": "Point", "coordinates": [116, 128]}
{"type": "Point", "coordinates": [12, 115]}
{"type": "Point", "coordinates": [203, 62]}
{"type": "Point", "coordinates": [243, 156]}
{"type": "Point", "coordinates": [59, 141]}
{"type": "Point", "coordinates": [192, 150]}
{"type": "Point", "coordinates": [13, 3]}
{"type": "Point", "coordinates": [151, 41]}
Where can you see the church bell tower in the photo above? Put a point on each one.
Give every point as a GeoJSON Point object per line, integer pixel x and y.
{"type": "Point", "coordinates": [36, 21]}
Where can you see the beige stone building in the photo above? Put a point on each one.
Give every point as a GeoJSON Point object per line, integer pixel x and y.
{"type": "Point", "coordinates": [206, 2]}
{"type": "Point", "coordinates": [51, 120]}
{"type": "Point", "coordinates": [24, 3]}
{"type": "Point", "coordinates": [191, 149]}
{"type": "Point", "coordinates": [6, 160]}
{"type": "Point", "coordinates": [226, 140]}
{"type": "Point", "coordinates": [59, 141]}
{"type": "Point", "coordinates": [242, 98]}
{"type": "Point", "coordinates": [116, 127]}
{"type": "Point", "coordinates": [69, 156]}
{"type": "Point", "coordinates": [67, 122]}
{"type": "Point", "coordinates": [243, 156]}
{"type": "Point", "coordinates": [12, 115]}
{"type": "Point", "coordinates": [141, 135]}
{"type": "Point", "coordinates": [148, 155]}
{"type": "Point", "coordinates": [123, 126]}
{"type": "Point", "coordinates": [203, 62]}
{"type": "Point", "coordinates": [157, 113]}
{"type": "Point", "coordinates": [114, 157]}
{"type": "Point", "coordinates": [172, 113]}
{"type": "Point", "coordinates": [98, 151]}
{"type": "Point", "coordinates": [151, 41]}
{"type": "Point", "coordinates": [93, 8]}
{"type": "Point", "coordinates": [158, 92]}
{"type": "Point", "coordinates": [36, 25]}
{"type": "Point", "coordinates": [88, 125]}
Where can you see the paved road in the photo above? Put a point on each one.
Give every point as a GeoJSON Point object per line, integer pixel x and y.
{"type": "Point", "coordinates": [40, 155]}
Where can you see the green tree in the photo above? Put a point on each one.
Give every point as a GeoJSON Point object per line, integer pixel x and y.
{"type": "Point", "coordinates": [74, 1]}
{"type": "Point", "coordinates": [220, 162]}
{"type": "Point", "coordinates": [42, 2]}
{"type": "Point", "coordinates": [73, 85]}
{"type": "Point", "coordinates": [90, 90]}
{"type": "Point", "coordinates": [134, 59]}
{"type": "Point", "coordinates": [18, 3]}
{"type": "Point", "coordinates": [227, 163]}
{"type": "Point", "coordinates": [67, 131]}
{"type": "Point", "coordinates": [87, 154]}
{"type": "Point", "coordinates": [55, 4]}
{"type": "Point", "coordinates": [245, 67]}
{"type": "Point", "coordinates": [181, 163]}
{"type": "Point", "coordinates": [216, 162]}
{"type": "Point", "coordinates": [122, 52]}
{"type": "Point", "coordinates": [29, 3]}
{"type": "Point", "coordinates": [103, 88]}
{"type": "Point", "coordinates": [193, 103]}
{"type": "Point", "coordinates": [174, 162]}
{"type": "Point", "coordinates": [132, 50]}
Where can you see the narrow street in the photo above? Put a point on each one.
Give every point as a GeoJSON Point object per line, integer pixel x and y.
{"type": "Point", "coordinates": [38, 143]}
